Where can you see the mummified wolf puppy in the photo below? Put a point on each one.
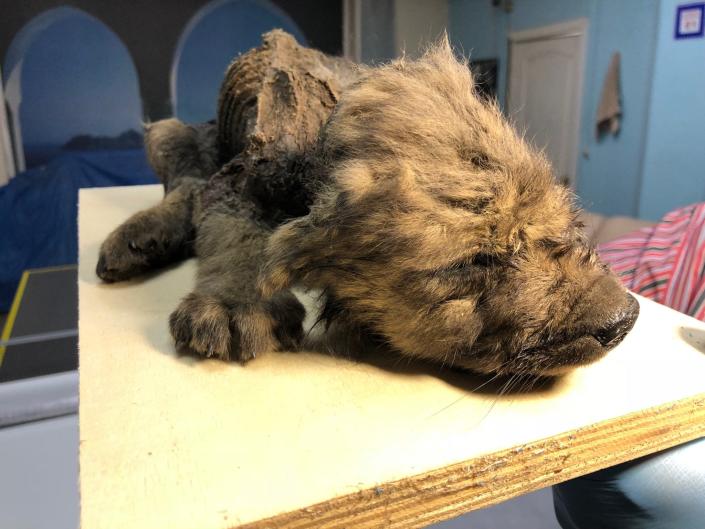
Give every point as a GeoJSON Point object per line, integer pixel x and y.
{"type": "Point", "coordinates": [410, 201]}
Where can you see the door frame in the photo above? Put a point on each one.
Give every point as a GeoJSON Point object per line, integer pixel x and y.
{"type": "Point", "coordinates": [352, 30]}
{"type": "Point", "coordinates": [576, 28]}
{"type": "Point", "coordinates": [6, 155]}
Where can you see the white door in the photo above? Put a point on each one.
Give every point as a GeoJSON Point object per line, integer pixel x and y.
{"type": "Point", "coordinates": [545, 89]}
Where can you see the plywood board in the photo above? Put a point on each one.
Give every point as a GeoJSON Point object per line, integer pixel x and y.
{"type": "Point", "coordinates": [296, 440]}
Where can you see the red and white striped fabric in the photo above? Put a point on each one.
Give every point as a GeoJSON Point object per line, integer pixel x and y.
{"type": "Point", "coordinates": [665, 262]}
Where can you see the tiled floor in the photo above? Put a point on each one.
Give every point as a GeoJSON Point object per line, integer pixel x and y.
{"type": "Point", "coordinates": [531, 511]}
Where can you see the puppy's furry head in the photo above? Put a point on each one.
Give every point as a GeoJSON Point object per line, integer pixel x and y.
{"type": "Point", "coordinates": [445, 234]}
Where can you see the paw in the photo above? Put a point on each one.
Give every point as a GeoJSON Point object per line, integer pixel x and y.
{"type": "Point", "coordinates": [201, 324]}
{"type": "Point", "coordinates": [132, 249]}
{"type": "Point", "coordinates": [207, 327]}
{"type": "Point", "coordinates": [287, 314]}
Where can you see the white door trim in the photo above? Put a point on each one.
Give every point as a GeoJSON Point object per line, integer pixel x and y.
{"type": "Point", "coordinates": [13, 98]}
{"type": "Point", "coordinates": [6, 154]}
{"type": "Point", "coordinates": [352, 30]}
{"type": "Point", "coordinates": [572, 28]}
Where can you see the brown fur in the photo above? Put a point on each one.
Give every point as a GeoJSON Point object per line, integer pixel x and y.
{"type": "Point", "coordinates": [433, 226]}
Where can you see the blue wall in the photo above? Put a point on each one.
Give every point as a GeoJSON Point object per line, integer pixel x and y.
{"type": "Point", "coordinates": [609, 175]}
{"type": "Point", "coordinates": [674, 165]}
{"type": "Point", "coordinates": [480, 32]}
{"type": "Point", "coordinates": [656, 162]}
{"type": "Point", "coordinates": [377, 24]}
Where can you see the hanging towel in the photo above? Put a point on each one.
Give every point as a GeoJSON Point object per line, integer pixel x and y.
{"type": "Point", "coordinates": [609, 111]}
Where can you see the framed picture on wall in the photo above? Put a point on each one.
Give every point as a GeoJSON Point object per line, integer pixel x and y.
{"type": "Point", "coordinates": [689, 21]}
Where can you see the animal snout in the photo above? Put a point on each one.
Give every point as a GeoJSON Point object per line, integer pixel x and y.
{"type": "Point", "coordinates": [618, 326]}
{"type": "Point", "coordinates": [102, 270]}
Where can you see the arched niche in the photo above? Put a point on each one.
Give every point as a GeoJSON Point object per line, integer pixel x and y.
{"type": "Point", "coordinates": [67, 74]}
{"type": "Point", "coordinates": [217, 33]}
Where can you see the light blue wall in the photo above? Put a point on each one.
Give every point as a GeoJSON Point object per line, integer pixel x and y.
{"type": "Point", "coordinates": [609, 171]}
{"type": "Point", "coordinates": [377, 21]}
{"type": "Point", "coordinates": [480, 32]}
{"type": "Point", "coordinates": [476, 27]}
{"type": "Point", "coordinates": [674, 165]}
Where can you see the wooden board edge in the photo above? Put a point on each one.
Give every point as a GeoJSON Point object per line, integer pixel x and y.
{"type": "Point", "coordinates": [444, 493]}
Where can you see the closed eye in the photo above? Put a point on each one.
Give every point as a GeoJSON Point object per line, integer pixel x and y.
{"type": "Point", "coordinates": [479, 261]}
{"type": "Point", "coordinates": [557, 248]}
{"type": "Point", "coordinates": [484, 260]}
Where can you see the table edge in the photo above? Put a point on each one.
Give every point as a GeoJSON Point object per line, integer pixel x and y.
{"type": "Point", "coordinates": [450, 491]}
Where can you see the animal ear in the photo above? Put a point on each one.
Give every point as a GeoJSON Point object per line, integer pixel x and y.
{"type": "Point", "coordinates": [160, 138]}
{"type": "Point", "coordinates": [175, 149]}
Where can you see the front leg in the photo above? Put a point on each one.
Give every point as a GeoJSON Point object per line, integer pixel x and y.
{"type": "Point", "coordinates": [151, 238]}
{"type": "Point", "coordinates": [224, 317]}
